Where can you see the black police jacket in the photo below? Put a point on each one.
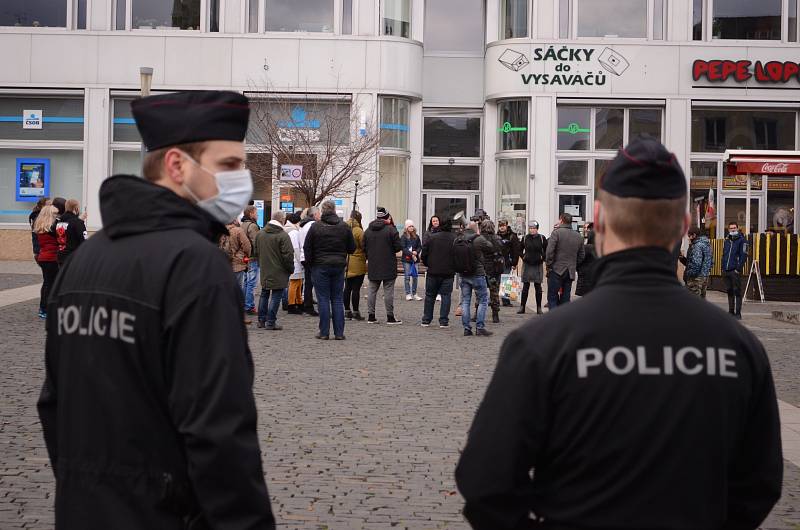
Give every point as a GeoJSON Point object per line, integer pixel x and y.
{"type": "Point", "coordinates": [639, 406]}
{"type": "Point", "coordinates": [147, 407]}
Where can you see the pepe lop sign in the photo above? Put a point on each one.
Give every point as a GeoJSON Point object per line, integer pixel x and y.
{"type": "Point", "coordinates": [574, 66]}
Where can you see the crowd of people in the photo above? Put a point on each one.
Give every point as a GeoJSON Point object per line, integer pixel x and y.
{"type": "Point", "coordinates": [57, 230]}
{"type": "Point", "coordinates": [315, 263]}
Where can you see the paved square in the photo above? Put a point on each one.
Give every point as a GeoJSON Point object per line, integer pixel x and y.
{"type": "Point", "coordinates": [363, 433]}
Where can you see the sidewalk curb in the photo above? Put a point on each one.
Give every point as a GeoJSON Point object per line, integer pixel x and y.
{"type": "Point", "coordinates": [792, 317]}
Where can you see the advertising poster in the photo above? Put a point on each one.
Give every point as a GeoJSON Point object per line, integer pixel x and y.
{"type": "Point", "coordinates": [291, 172]}
{"type": "Point", "coordinates": [33, 179]}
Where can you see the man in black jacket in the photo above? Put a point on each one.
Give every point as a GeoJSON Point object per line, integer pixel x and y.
{"type": "Point", "coordinates": [70, 230]}
{"type": "Point", "coordinates": [147, 407]}
{"type": "Point", "coordinates": [641, 406]}
{"type": "Point", "coordinates": [381, 245]}
{"type": "Point", "coordinates": [437, 255]}
{"type": "Point", "coordinates": [326, 247]}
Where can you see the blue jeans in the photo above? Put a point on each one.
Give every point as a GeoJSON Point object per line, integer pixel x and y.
{"type": "Point", "coordinates": [250, 288]}
{"type": "Point", "coordinates": [268, 306]}
{"type": "Point", "coordinates": [329, 284]}
{"type": "Point", "coordinates": [241, 281]}
{"type": "Point", "coordinates": [556, 282]}
{"type": "Point", "coordinates": [478, 284]}
{"type": "Point", "coordinates": [409, 281]}
{"type": "Point", "coordinates": [441, 285]}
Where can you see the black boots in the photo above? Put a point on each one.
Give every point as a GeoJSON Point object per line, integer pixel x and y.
{"type": "Point", "coordinates": [521, 310]}
{"type": "Point", "coordinates": [496, 316]}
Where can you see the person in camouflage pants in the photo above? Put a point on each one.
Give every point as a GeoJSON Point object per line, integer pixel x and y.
{"type": "Point", "coordinates": [493, 263]}
{"type": "Point", "coordinates": [698, 262]}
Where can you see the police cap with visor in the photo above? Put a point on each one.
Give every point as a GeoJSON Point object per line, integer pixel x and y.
{"type": "Point", "coordinates": [186, 117]}
{"type": "Point", "coordinates": [645, 169]}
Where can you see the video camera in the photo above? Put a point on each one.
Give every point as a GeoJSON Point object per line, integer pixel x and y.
{"type": "Point", "coordinates": [480, 215]}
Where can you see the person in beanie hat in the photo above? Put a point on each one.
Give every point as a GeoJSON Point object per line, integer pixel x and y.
{"type": "Point", "coordinates": [534, 250]}
{"type": "Point", "coordinates": [147, 406]}
{"type": "Point", "coordinates": [381, 245]}
{"type": "Point", "coordinates": [640, 406]}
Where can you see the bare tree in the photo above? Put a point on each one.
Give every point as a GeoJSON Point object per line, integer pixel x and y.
{"type": "Point", "coordinates": [333, 140]}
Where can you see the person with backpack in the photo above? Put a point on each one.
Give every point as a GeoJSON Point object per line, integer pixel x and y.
{"type": "Point", "coordinates": [494, 264]}
{"type": "Point", "coordinates": [237, 248]}
{"type": "Point", "coordinates": [468, 250]}
{"type": "Point", "coordinates": [534, 250]}
{"type": "Point", "coordinates": [381, 245]}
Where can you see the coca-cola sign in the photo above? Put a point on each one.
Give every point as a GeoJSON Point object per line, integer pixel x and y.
{"type": "Point", "coordinates": [778, 167]}
{"type": "Point", "coordinates": [760, 167]}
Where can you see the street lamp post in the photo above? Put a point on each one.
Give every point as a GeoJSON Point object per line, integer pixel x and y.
{"type": "Point", "coordinates": [145, 82]}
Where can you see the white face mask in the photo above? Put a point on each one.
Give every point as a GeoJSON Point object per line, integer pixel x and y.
{"type": "Point", "coordinates": [235, 188]}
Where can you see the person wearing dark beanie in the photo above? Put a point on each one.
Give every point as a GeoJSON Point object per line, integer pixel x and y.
{"type": "Point", "coordinates": [638, 406]}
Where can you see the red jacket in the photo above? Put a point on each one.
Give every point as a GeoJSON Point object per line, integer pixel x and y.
{"type": "Point", "coordinates": [48, 247]}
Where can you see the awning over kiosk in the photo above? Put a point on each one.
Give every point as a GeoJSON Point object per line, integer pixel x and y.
{"type": "Point", "coordinates": [744, 162]}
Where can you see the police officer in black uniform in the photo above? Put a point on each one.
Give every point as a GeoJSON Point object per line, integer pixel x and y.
{"type": "Point", "coordinates": [147, 407]}
{"type": "Point", "coordinates": [639, 406]}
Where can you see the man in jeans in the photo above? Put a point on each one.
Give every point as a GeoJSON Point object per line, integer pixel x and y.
{"type": "Point", "coordinates": [475, 282]}
{"type": "Point", "coordinates": [564, 252]}
{"type": "Point", "coordinates": [381, 244]}
{"type": "Point", "coordinates": [326, 247]}
{"type": "Point", "coordinates": [734, 256]}
{"type": "Point", "coordinates": [437, 255]}
{"type": "Point", "coordinates": [250, 228]}
{"type": "Point", "coordinates": [276, 254]}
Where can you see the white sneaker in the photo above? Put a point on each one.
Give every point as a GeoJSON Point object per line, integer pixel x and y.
{"type": "Point", "coordinates": [417, 297]}
{"type": "Point", "coordinates": [438, 298]}
{"type": "Point", "coordinates": [409, 297]}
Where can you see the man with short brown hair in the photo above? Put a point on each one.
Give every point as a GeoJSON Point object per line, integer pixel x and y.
{"type": "Point", "coordinates": [639, 405]}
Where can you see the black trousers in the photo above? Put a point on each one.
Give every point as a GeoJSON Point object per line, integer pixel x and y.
{"type": "Point", "coordinates": [308, 288]}
{"type": "Point", "coordinates": [352, 290]}
{"type": "Point", "coordinates": [49, 273]}
{"type": "Point", "coordinates": [733, 284]}
{"type": "Point", "coordinates": [537, 287]}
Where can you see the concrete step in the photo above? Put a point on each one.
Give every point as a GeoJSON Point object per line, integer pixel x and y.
{"type": "Point", "coordinates": [792, 317]}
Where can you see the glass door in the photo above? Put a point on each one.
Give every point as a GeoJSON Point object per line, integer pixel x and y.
{"type": "Point", "coordinates": [575, 204]}
{"type": "Point", "coordinates": [449, 205]}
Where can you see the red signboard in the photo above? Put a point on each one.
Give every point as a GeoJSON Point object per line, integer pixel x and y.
{"type": "Point", "coordinates": [718, 71]}
{"type": "Point", "coordinates": [761, 167]}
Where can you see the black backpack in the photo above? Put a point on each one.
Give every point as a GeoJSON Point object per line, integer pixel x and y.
{"type": "Point", "coordinates": [463, 255]}
{"type": "Point", "coordinates": [498, 260]}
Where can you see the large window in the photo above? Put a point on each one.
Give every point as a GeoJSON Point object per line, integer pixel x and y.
{"type": "Point", "coordinates": [452, 136]}
{"type": "Point", "coordinates": [715, 130]}
{"type": "Point", "coordinates": [393, 185]}
{"type": "Point", "coordinates": [314, 16]}
{"type": "Point", "coordinates": [394, 123]}
{"type": "Point", "coordinates": [308, 120]}
{"type": "Point", "coordinates": [451, 177]}
{"type": "Point", "coordinates": [34, 13]}
{"type": "Point", "coordinates": [513, 124]}
{"type": "Point", "coordinates": [174, 14]}
{"type": "Point", "coordinates": [59, 119]}
{"type": "Point", "coordinates": [743, 20]}
{"type": "Point", "coordinates": [642, 19]}
{"type": "Point", "coordinates": [396, 18]}
{"type": "Point", "coordinates": [126, 155]}
{"type": "Point", "coordinates": [454, 27]}
{"type": "Point", "coordinates": [513, 19]}
{"type": "Point", "coordinates": [512, 192]}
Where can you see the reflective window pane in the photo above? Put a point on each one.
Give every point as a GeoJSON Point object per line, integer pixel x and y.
{"type": "Point", "coordinates": [61, 119]}
{"type": "Point", "coordinates": [81, 22]}
{"type": "Point", "coordinates": [252, 16]}
{"type": "Point", "coordinates": [780, 204]}
{"type": "Point", "coordinates": [305, 121]}
{"type": "Point", "coordinates": [793, 20]}
{"type": "Point", "coordinates": [563, 18]}
{"type": "Point", "coordinates": [314, 16]}
{"type": "Point", "coordinates": [393, 185]}
{"type": "Point", "coordinates": [347, 17]}
{"type": "Point", "coordinates": [645, 122]}
{"type": "Point", "coordinates": [157, 14]}
{"type": "Point", "coordinates": [452, 137]}
{"type": "Point", "coordinates": [703, 196]}
{"type": "Point", "coordinates": [123, 126]}
{"type": "Point", "coordinates": [126, 163]}
{"type": "Point", "coordinates": [34, 13]}
{"type": "Point", "coordinates": [514, 19]}
{"type": "Point", "coordinates": [714, 130]}
{"type": "Point", "coordinates": [658, 19]}
{"type": "Point", "coordinates": [119, 14]}
{"type": "Point", "coordinates": [451, 177]}
{"type": "Point", "coordinates": [573, 172]}
{"type": "Point", "coordinates": [575, 205]}
{"type": "Point", "coordinates": [697, 19]}
{"type": "Point", "coordinates": [397, 18]}
{"type": "Point", "coordinates": [512, 192]}
{"type": "Point", "coordinates": [394, 123]}
{"type": "Point", "coordinates": [454, 26]}
{"type": "Point", "coordinates": [513, 126]}
{"type": "Point", "coordinates": [600, 168]}
{"type": "Point", "coordinates": [604, 18]}
{"type": "Point", "coordinates": [573, 128]}
{"type": "Point", "coordinates": [609, 128]}
{"type": "Point", "coordinates": [747, 19]}
{"type": "Point", "coordinates": [736, 211]}
{"type": "Point", "coordinates": [213, 17]}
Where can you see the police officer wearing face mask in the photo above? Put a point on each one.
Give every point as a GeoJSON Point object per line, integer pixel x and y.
{"type": "Point", "coordinates": [639, 406]}
{"type": "Point", "coordinates": [147, 407]}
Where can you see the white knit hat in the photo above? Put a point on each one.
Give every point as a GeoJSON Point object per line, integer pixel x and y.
{"type": "Point", "coordinates": [409, 222]}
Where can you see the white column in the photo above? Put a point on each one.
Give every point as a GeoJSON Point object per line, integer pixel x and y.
{"type": "Point", "coordinates": [544, 17]}
{"type": "Point", "coordinates": [417, 19]}
{"type": "Point", "coordinates": [415, 164]}
{"type": "Point", "coordinates": [542, 190]}
{"type": "Point", "coordinates": [492, 20]}
{"type": "Point", "coordinates": [367, 17]}
{"type": "Point", "coordinates": [232, 16]}
{"type": "Point", "coordinates": [489, 162]}
{"type": "Point", "coordinates": [678, 134]}
{"type": "Point", "coordinates": [98, 17]}
{"type": "Point", "coordinates": [96, 156]}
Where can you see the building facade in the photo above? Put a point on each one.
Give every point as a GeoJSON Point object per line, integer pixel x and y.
{"type": "Point", "coordinates": [513, 106]}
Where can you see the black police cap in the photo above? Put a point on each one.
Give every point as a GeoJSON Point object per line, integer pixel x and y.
{"type": "Point", "coordinates": [186, 117]}
{"type": "Point", "coordinates": [645, 169]}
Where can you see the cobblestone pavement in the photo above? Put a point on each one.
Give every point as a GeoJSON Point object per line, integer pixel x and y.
{"type": "Point", "coordinates": [363, 433]}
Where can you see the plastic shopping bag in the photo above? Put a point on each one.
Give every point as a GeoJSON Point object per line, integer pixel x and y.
{"type": "Point", "coordinates": [510, 286]}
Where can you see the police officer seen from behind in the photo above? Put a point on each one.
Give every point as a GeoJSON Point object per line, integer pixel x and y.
{"type": "Point", "coordinates": [639, 406]}
{"type": "Point", "coordinates": [147, 407]}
